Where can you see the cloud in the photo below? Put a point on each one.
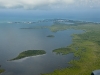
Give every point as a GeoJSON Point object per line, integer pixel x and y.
{"type": "Point", "coordinates": [88, 3]}
{"type": "Point", "coordinates": [32, 4]}
{"type": "Point", "coordinates": [45, 4]}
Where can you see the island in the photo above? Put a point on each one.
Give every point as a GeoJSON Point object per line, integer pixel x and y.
{"type": "Point", "coordinates": [28, 53]}
{"type": "Point", "coordinates": [50, 36]}
{"type": "Point", "coordinates": [85, 47]}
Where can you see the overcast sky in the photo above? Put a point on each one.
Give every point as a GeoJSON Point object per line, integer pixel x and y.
{"type": "Point", "coordinates": [48, 4]}
{"type": "Point", "coordinates": [50, 8]}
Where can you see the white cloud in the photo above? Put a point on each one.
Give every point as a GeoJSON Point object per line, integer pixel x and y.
{"type": "Point", "coordinates": [31, 4]}
{"type": "Point", "coordinates": [44, 4]}
{"type": "Point", "coordinates": [89, 3]}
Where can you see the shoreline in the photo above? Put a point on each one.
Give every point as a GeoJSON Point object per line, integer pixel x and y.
{"type": "Point", "coordinates": [23, 59]}
{"type": "Point", "coordinates": [87, 50]}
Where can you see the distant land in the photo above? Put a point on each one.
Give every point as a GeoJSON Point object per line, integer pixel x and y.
{"type": "Point", "coordinates": [58, 24]}
{"type": "Point", "coordinates": [49, 20]}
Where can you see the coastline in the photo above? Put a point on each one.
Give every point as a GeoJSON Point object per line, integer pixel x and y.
{"type": "Point", "coordinates": [87, 51]}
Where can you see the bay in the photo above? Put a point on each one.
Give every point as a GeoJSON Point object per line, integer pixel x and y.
{"type": "Point", "coordinates": [14, 40]}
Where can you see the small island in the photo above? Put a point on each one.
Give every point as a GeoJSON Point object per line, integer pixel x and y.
{"type": "Point", "coordinates": [29, 53]}
{"type": "Point", "coordinates": [50, 36]}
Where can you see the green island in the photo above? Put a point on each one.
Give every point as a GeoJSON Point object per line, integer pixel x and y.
{"type": "Point", "coordinates": [29, 53]}
{"type": "Point", "coordinates": [50, 36]}
{"type": "Point", "coordinates": [85, 46]}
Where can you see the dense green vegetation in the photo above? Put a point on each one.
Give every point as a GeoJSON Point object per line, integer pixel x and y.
{"type": "Point", "coordinates": [61, 26]}
{"type": "Point", "coordinates": [85, 46]}
{"type": "Point", "coordinates": [29, 53]}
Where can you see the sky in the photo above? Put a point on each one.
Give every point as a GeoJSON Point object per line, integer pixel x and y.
{"type": "Point", "coordinates": [45, 7]}
{"type": "Point", "coordinates": [48, 4]}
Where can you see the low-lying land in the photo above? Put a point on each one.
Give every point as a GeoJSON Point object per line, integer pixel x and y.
{"type": "Point", "coordinates": [29, 53]}
{"type": "Point", "coordinates": [85, 46]}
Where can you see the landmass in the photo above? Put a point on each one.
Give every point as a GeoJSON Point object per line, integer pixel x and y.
{"type": "Point", "coordinates": [85, 46]}
{"type": "Point", "coordinates": [29, 53]}
{"type": "Point", "coordinates": [58, 24]}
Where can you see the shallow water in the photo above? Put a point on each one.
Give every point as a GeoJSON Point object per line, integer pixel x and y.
{"type": "Point", "coordinates": [14, 40]}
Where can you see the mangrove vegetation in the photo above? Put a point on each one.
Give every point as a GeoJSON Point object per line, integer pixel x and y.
{"type": "Point", "coordinates": [29, 53]}
{"type": "Point", "coordinates": [85, 46]}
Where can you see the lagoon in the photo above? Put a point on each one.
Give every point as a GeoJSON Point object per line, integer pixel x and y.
{"type": "Point", "coordinates": [14, 40]}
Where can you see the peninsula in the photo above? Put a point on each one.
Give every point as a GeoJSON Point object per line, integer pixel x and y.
{"type": "Point", "coordinates": [85, 47]}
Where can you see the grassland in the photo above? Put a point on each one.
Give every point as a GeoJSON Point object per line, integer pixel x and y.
{"type": "Point", "coordinates": [29, 53]}
{"type": "Point", "coordinates": [85, 46]}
